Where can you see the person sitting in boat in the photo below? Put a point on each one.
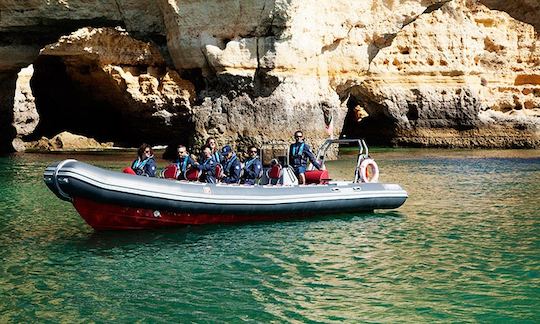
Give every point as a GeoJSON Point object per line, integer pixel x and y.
{"type": "Point", "coordinates": [216, 154]}
{"type": "Point", "coordinates": [231, 166]}
{"type": "Point", "coordinates": [208, 166]}
{"type": "Point", "coordinates": [252, 167]}
{"type": "Point", "coordinates": [144, 165]}
{"type": "Point", "coordinates": [184, 162]}
{"type": "Point", "coordinates": [299, 153]}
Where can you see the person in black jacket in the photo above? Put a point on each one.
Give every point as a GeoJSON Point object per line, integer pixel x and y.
{"type": "Point", "coordinates": [299, 153]}
{"type": "Point", "coordinates": [208, 166]}
{"type": "Point", "coordinates": [184, 162]}
{"type": "Point", "coordinates": [252, 167]}
{"type": "Point", "coordinates": [231, 166]}
{"type": "Point", "coordinates": [144, 165]}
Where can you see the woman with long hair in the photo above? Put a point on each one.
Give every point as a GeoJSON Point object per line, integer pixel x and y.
{"type": "Point", "coordinates": [144, 165]}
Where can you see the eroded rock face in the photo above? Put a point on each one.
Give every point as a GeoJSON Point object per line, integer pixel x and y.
{"type": "Point", "coordinates": [296, 45]}
{"type": "Point", "coordinates": [25, 117]}
{"type": "Point", "coordinates": [114, 81]}
{"type": "Point", "coordinates": [416, 72]}
{"type": "Point", "coordinates": [26, 26]}
{"type": "Point", "coordinates": [434, 77]}
{"type": "Point", "coordinates": [443, 66]}
{"type": "Point", "coordinates": [253, 120]}
{"type": "Point", "coordinates": [66, 141]}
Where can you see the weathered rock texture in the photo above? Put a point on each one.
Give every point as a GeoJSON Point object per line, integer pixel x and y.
{"type": "Point", "coordinates": [66, 141]}
{"type": "Point", "coordinates": [122, 87]}
{"type": "Point", "coordinates": [411, 72]}
{"type": "Point", "coordinates": [25, 115]}
{"type": "Point", "coordinates": [446, 87]}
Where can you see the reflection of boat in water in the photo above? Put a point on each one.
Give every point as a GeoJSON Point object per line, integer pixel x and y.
{"type": "Point", "coordinates": [114, 200]}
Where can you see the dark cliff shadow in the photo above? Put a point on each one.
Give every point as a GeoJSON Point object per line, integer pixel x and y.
{"type": "Point", "coordinates": [520, 10]}
{"type": "Point", "coordinates": [8, 82]}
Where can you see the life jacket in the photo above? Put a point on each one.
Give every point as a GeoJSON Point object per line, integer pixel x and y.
{"type": "Point", "coordinates": [183, 165]}
{"type": "Point", "coordinates": [300, 150]}
{"type": "Point", "coordinates": [216, 157]}
{"type": "Point", "coordinates": [229, 163]}
{"type": "Point", "coordinates": [210, 175]}
{"type": "Point", "coordinates": [138, 165]}
{"type": "Point", "coordinates": [248, 164]}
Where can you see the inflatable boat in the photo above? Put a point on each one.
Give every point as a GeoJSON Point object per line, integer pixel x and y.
{"type": "Point", "coordinates": [110, 200]}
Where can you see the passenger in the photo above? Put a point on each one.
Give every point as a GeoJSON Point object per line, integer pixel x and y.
{"type": "Point", "coordinates": [231, 167]}
{"type": "Point", "coordinates": [299, 153]}
{"type": "Point", "coordinates": [216, 155]}
{"type": "Point", "coordinates": [252, 167]}
{"type": "Point", "coordinates": [144, 165]}
{"type": "Point", "coordinates": [184, 162]}
{"type": "Point", "coordinates": [208, 167]}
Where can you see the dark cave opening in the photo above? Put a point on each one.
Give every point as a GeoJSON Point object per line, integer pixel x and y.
{"type": "Point", "coordinates": [75, 94]}
{"type": "Point", "coordinates": [70, 105]}
{"type": "Point", "coordinates": [7, 87]}
{"type": "Point", "coordinates": [376, 128]}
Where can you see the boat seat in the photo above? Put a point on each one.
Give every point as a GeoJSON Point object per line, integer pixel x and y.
{"type": "Point", "coordinates": [171, 171]}
{"type": "Point", "coordinates": [317, 177]}
{"type": "Point", "coordinates": [192, 175]}
{"type": "Point", "coordinates": [274, 173]}
{"type": "Point", "coordinates": [129, 170]}
{"type": "Point", "coordinates": [219, 171]}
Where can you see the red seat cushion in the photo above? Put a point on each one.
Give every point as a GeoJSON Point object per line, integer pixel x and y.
{"type": "Point", "coordinates": [170, 172]}
{"type": "Point", "coordinates": [218, 170]}
{"type": "Point", "coordinates": [129, 170]}
{"type": "Point", "coordinates": [275, 172]}
{"type": "Point", "coordinates": [192, 175]}
{"type": "Point", "coordinates": [316, 176]}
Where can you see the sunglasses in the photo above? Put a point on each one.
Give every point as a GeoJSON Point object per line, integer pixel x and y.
{"type": "Point", "coordinates": [298, 136]}
{"type": "Point", "coordinates": [252, 151]}
{"type": "Point", "coordinates": [147, 151]}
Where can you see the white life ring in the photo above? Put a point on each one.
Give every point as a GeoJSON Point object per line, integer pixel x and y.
{"type": "Point", "coordinates": [369, 171]}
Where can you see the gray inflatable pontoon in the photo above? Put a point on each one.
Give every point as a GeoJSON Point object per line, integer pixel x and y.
{"type": "Point", "coordinates": [113, 200]}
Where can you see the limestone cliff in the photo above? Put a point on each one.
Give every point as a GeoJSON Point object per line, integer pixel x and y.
{"type": "Point", "coordinates": [410, 72]}
{"type": "Point", "coordinates": [66, 141]}
{"type": "Point", "coordinates": [125, 84]}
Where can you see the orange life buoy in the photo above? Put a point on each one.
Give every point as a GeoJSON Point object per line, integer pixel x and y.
{"type": "Point", "coordinates": [369, 171]}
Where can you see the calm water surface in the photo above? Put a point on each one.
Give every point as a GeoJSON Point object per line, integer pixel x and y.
{"type": "Point", "coordinates": [464, 247]}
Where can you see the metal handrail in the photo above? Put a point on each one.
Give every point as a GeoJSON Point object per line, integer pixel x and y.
{"type": "Point", "coordinates": [363, 151]}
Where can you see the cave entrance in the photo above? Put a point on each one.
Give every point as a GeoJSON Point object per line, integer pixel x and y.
{"type": "Point", "coordinates": [367, 119]}
{"type": "Point", "coordinates": [79, 106]}
{"type": "Point", "coordinates": [75, 94]}
{"type": "Point", "coordinates": [7, 87]}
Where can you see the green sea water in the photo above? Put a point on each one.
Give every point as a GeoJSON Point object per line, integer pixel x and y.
{"type": "Point", "coordinates": [465, 247]}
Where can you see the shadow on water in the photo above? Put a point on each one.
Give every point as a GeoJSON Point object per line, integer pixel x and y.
{"type": "Point", "coordinates": [103, 240]}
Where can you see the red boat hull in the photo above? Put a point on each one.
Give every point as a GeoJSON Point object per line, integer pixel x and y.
{"type": "Point", "coordinates": [114, 217]}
